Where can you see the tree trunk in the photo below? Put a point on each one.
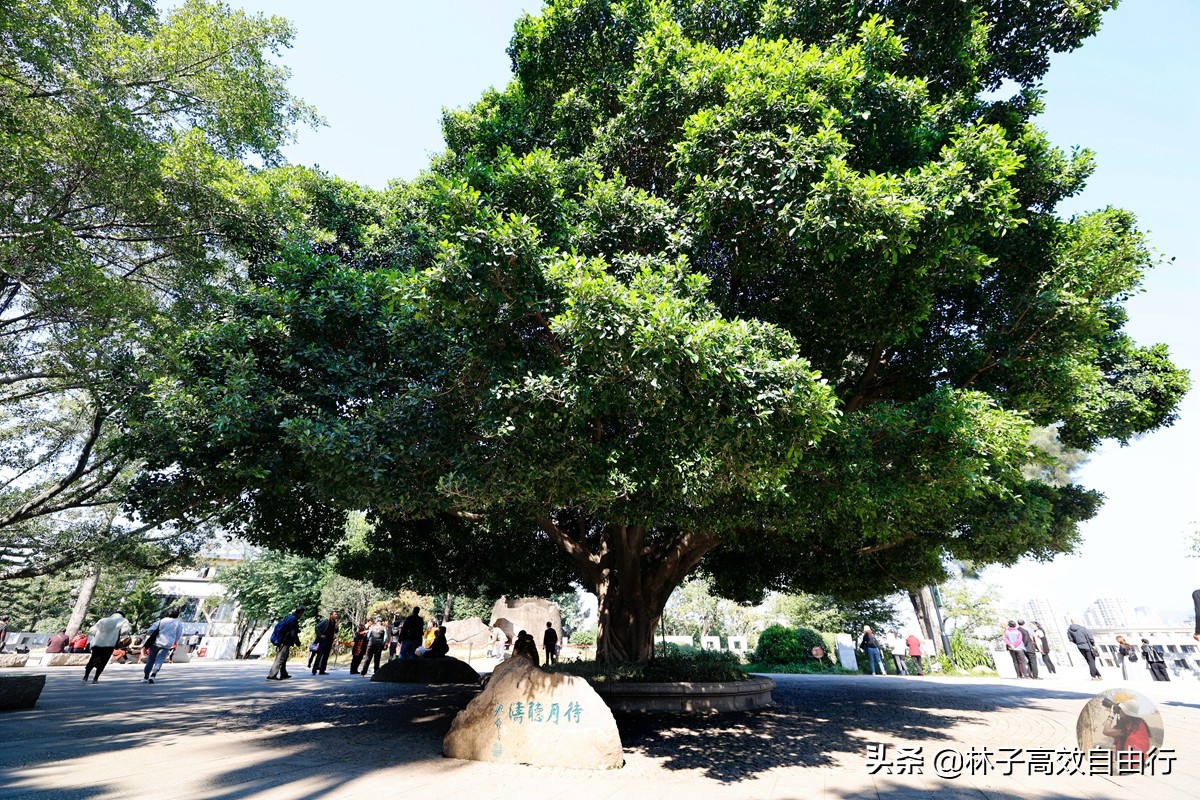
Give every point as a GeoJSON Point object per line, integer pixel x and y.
{"type": "Point", "coordinates": [86, 590]}
{"type": "Point", "coordinates": [927, 615]}
{"type": "Point", "coordinates": [446, 609]}
{"type": "Point", "coordinates": [632, 570]}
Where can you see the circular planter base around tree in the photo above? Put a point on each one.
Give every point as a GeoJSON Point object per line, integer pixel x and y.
{"type": "Point", "coordinates": [689, 698]}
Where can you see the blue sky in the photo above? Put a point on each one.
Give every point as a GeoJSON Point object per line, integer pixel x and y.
{"type": "Point", "coordinates": [380, 73]}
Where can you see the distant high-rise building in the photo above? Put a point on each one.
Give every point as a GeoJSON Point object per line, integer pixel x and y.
{"type": "Point", "coordinates": [1044, 611]}
{"type": "Point", "coordinates": [1145, 615]}
{"type": "Point", "coordinates": [1109, 612]}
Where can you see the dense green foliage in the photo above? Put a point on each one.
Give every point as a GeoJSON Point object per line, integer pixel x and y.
{"type": "Point", "coordinates": [682, 665]}
{"type": "Point", "coordinates": [780, 645]}
{"type": "Point", "coordinates": [769, 288]}
{"type": "Point", "coordinates": [122, 135]}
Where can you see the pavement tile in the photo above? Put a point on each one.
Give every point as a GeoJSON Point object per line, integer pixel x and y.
{"type": "Point", "coordinates": [219, 731]}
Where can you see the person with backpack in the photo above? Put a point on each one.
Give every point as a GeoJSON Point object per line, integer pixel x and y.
{"type": "Point", "coordinates": [162, 636]}
{"type": "Point", "coordinates": [377, 638]}
{"type": "Point", "coordinates": [1155, 661]}
{"type": "Point", "coordinates": [285, 636]}
{"type": "Point", "coordinates": [326, 634]}
{"type": "Point", "coordinates": [1014, 642]}
{"type": "Point", "coordinates": [410, 633]}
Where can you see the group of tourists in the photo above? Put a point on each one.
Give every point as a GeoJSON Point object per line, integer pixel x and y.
{"type": "Point", "coordinates": [1025, 646]}
{"type": "Point", "coordinates": [109, 639]}
{"type": "Point", "coordinates": [412, 638]}
{"type": "Point", "coordinates": [901, 649]}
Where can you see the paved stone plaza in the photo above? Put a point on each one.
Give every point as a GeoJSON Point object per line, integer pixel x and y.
{"type": "Point", "coordinates": [219, 731]}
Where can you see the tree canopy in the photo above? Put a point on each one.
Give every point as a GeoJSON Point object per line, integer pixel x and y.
{"type": "Point", "coordinates": [772, 288]}
{"type": "Point", "coordinates": [122, 140]}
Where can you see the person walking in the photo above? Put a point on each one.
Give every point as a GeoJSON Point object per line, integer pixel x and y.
{"type": "Point", "coordinates": [163, 635]}
{"type": "Point", "coordinates": [377, 637]}
{"type": "Point", "coordinates": [3, 632]}
{"type": "Point", "coordinates": [1083, 640]}
{"type": "Point", "coordinates": [899, 651]}
{"type": "Point", "coordinates": [914, 652]}
{"type": "Point", "coordinates": [1031, 668]}
{"type": "Point", "coordinates": [285, 636]}
{"type": "Point", "coordinates": [1155, 661]}
{"type": "Point", "coordinates": [870, 646]}
{"type": "Point", "coordinates": [1042, 643]}
{"type": "Point", "coordinates": [550, 644]}
{"type": "Point", "coordinates": [410, 633]}
{"type": "Point", "coordinates": [358, 648]}
{"type": "Point", "coordinates": [1015, 644]}
{"type": "Point", "coordinates": [106, 634]}
{"type": "Point", "coordinates": [326, 634]}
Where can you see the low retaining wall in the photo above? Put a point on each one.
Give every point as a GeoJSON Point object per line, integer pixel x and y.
{"type": "Point", "coordinates": [14, 659]}
{"type": "Point", "coordinates": [687, 697]}
{"type": "Point", "coordinates": [18, 692]}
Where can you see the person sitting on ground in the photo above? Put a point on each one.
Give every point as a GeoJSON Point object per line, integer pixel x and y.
{"type": "Point", "coordinates": [524, 646]}
{"type": "Point", "coordinates": [439, 647]}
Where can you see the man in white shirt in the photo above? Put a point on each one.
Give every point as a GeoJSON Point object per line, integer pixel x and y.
{"type": "Point", "coordinates": [105, 635]}
{"type": "Point", "coordinates": [166, 634]}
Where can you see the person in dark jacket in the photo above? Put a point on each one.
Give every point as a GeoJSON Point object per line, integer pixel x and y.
{"type": "Point", "coordinates": [1082, 638]}
{"type": "Point", "coordinates": [287, 636]}
{"type": "Point", "coordinates": [1155, 661]}
{"type": "Point", "coordinates": [550, 643]}
{"type": "Point", "coordinates": [359, 648]}
{"type": "Point", "coordinates": [410, 633]}
{"type": "Point", "coordinates": [440, 646]}
{"type": "Point", "coordinates": [326, 634]}
{"type": "Point", "coordinates": [870, 646]}
{"type": "Point", "coordinates": [1030, 650]}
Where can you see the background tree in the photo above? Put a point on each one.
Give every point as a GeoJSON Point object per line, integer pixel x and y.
{"type": "Point", "coordinates": [268, 588]}
{"type": "Point", "coordinates": [971, 607]}
{"type": "Point", "coordinates": [122, 138]}
{"type": "Point", "coordinates": [830, 615]}
{"type": "Point", "coordinates": [774, 290]}
{"type": "Point", "coordinates": [351, 599]}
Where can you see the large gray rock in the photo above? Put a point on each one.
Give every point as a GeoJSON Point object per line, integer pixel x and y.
{"type": "Point", "coordinates": [426, 670]}
{"type": "Point", "coordinates": [66, 660]}
{"type": "Point", "coordinates": [529, 614]}
{"type": "Point", "coordinates": [468, 631]}
{"type": "Point", "coordinates": [527, 716]}
{"type": "Point", "coordinates": [14, 659]}
{"type": "Point", "coordinates": [19, 692]}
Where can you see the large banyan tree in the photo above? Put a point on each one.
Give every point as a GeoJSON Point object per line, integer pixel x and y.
{"type": "Point", "coordinates": [774, 289]}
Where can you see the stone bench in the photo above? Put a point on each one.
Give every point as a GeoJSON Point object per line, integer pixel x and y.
{"type": "Point", "coordinates": [66, 660]}
{"type": "Point", "coordinates": [19, 692]}
{"type": "Point", "coordinates": [14, 659]}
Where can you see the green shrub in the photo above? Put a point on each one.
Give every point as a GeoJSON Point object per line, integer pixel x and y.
{"type": "Point", "coordinates": [967, 654]}
{"type": "Point", "coordinates": [584, 637]}
{"type": "Point", "coordinates": [778, 645]}
{"type": "Point", "coordinates": [696, 666]}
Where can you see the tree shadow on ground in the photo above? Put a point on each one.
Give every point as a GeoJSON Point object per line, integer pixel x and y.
{"type": "Point", "coordinates": [815, 722]}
